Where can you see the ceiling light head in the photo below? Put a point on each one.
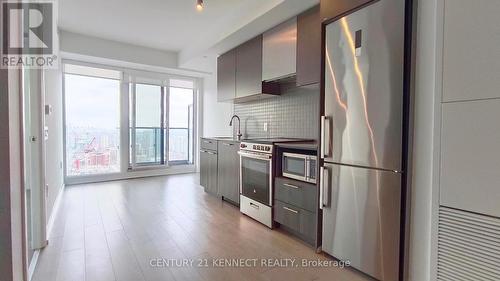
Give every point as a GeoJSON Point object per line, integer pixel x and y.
{"type": "Point", "coordinates": [199, 5]}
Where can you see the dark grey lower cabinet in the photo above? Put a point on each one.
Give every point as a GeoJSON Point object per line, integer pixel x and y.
{"type": "Point", "coordinates": [300, 222]}
{"type": "Point", "coordinates": [296, 207]}
{"type": "Point", "coordinates": [228, 171]}
{"type": "Point", "coordinates": [208, 171]}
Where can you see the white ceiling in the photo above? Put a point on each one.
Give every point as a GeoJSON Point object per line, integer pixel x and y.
{"type": "Point", "coordinates": [162, 24]}
{"type": "Point", "coordinates": [173, 25]}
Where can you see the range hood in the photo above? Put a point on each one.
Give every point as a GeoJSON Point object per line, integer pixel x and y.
{"type": "Point", "coordinates": [269, 90]}
{"type": "Point", "coordinates": [266, 64]}
{"type": "Point", "coordinates": [279, 61]}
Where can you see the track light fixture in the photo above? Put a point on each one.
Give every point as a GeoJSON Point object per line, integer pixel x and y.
{"type": "Point", "coordinates": [199, 5]}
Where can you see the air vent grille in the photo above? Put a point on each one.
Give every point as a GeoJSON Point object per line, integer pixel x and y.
{"type": "Point", "coordinates": [468, 246]}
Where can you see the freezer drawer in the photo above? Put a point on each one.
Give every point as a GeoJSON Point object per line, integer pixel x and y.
{"type": "Point", "coordinates": [361, 218]}
{"type": "Point", "coordinates": [364, 55]}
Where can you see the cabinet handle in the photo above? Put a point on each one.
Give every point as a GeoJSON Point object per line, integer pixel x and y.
{"type": "Point", "coordinates": [291, 185]}
{"type": "Point", "coordinates": [205, 141]}
{"type": "Point", "coordinates": [291, 210]}
{"type": "Point", "coordinates": [211, 153]}
{"type": "Point", "coordinates": [227, 144]}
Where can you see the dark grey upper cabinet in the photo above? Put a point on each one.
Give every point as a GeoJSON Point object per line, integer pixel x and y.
{"type": "Point", "coordinates": [249, 84]}
{"type": "Point", "coordinates": [332, 9]}
{"type": "Point", "coordinates": [226, 76]}
{"type": "Point", "coordinates": [249, 68]}
{"type": "Point", "coordinates": [309, 47]}
{"type": "Point", "coordinates": [228, 171]}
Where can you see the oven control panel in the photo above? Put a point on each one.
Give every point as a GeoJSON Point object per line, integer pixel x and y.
{"type": "Point", "coordinates": [266, 148]}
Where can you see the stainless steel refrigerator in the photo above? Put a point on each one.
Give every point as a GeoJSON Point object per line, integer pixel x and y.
{"type": "Point", "coordinates": [361, 146]}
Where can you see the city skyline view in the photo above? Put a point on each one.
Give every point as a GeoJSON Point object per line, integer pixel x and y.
{"type": "Point", "coordinates": [93, 126]}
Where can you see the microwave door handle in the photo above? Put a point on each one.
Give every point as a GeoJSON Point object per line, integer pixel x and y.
{"type": "Point", "coordinates": [308, 168]}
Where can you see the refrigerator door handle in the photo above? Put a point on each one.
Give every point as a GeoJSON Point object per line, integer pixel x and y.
{"type": "Point", "coordinates": [326, 187]}
{"type": "Point", "coordinates": [321, 185]}
{"type": "Point", "coordinates": [324, 140]}
{"type": "Point", "coordinates": [324, 197]}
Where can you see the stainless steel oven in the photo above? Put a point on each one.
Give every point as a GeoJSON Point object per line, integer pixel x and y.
{"type": "Point", "coordinates": [256, 176]}
{"type": "Point", "coordinates": [299, 166]}
{"type": "Point", "coordinates": [256, 181]}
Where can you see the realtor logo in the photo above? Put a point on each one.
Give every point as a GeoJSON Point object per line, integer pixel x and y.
{"type": "Point", "coordinates": [28, 34]}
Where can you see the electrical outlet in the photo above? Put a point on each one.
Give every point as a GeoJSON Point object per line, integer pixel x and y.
{"type": "Point", "coordinates": [265, 126]}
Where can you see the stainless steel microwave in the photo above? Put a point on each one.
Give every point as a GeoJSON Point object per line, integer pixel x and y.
{"type": "Point", "coordinates": [299, 166]}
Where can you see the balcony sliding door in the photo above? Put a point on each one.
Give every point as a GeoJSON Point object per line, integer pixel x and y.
{"type": "Point", "coordinates": [147, 131]}
{"type": "Point", "coordinates": [181, 98]}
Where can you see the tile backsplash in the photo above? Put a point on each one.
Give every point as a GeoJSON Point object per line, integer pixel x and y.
{"type": "Point", "coordinates": [295, 113]}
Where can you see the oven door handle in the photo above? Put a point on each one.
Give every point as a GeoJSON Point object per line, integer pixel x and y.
{"type": "Point", "coordinates": [255, 156]}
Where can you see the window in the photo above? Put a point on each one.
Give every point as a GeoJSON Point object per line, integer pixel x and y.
{"type": "Point", "coordinates": [92, 121]}
{"type": "Point", "coordinates": [157, 124]}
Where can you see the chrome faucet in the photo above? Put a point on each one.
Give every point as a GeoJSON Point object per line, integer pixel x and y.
{"type": "Point", "coordinates": [239, 125]}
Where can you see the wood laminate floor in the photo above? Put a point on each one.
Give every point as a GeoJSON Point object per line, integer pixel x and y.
{"type": "Point", "coordinates": [116, 230]}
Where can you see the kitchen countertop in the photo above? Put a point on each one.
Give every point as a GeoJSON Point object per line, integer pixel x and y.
{"type": "Point", "coordinates": [300, 145]}
{"type": "Point", "coordinates": [231, 139]}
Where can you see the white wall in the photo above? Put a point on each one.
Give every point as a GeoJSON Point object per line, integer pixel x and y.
{"type": "Point", "coordinates": [54, 144]}
{"type": "Point", "coordinates": [457, 60]}
{"type": "Point", "coordinates": [424, 142]}
{"type": "Point", "coordinates": [96, 47]}
{"type": "Point", "coordinates": [215, 115]}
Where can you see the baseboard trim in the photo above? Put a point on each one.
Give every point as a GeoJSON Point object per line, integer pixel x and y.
{"type": "Point", "coordinates": [33, 263]}
{"type": "Point", "coordinates": [55, 210]}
